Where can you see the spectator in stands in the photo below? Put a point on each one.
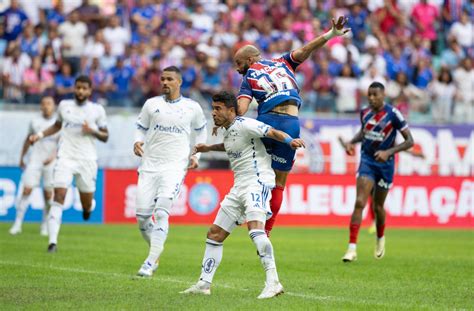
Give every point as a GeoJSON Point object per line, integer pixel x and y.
{"type": "Point", "coordinates": [372, 56]}
{"type": "Point", "coordinates": [14, 66]}
{"type": "Point", "coordinates": [29, 43]}
{"type": "Point", "coordinates": [90, 15]}
{"type": "Point", "coordinates": [324, 86]}
{"type": "Point", "coordinates": [464, 80]}
{"type": "Point", "coordinates": [64, 82]}
{"type": "Point", "coordinates": [453, 55]}
{"type": "Point", "coordinates": [443, 92]}
{"type": "Point", "coordinates": [14, 20]}
{"type": "Point", "coordinates": [189, 75]}
{"type": "Point", "coordinates": [117, 36]}
{"type": "Point", "coordinates": [121, 79]}
{"type": "Point", "coordinates": [94, 48]}
{"type": "Point", "coordinates": [99, 80]}
{"type": "Point", "coordinates": [36, 81]}
{"type": "Point", "coordinates": [210, 82]}
{"type": "Point", "coordinates": [425, 18]}
{"type": "Point", "coordinates": [151, 83]}
{"type": "Point", "coordinates": [463, 31]}
{"type": "Point", "coordinates": [107, 61]}
{"type": "Point", "coordinates": [56, 16]}
{"type": "Point", "coordinates": [48, 59]}
{"type": "Point", "coordinates": [370, 75]}
{"type": "Point", "coordinates": [73, 33]}
{"type": "Point", "coordinates": [346, 86]}
{"type": "Point", "coordinates": [422, 73]}
{"type": "Point", "coordinates": [396, 62]}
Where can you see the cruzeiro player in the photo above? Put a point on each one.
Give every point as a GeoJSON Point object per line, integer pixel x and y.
{"type": "Point", "coordinates": [380, 123]}
{"type": "Point", "coordinates": [82, 122]}
{"type": "Point", "coordinates": [273, 85]}
{"type": "Point", "coordinates": [248, 200]}
{"type": "Point", "coordinates": [165, 129]}
{"type": "Point", "coordinates": [39, 166]}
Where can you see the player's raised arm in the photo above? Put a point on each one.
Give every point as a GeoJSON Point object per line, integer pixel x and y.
{"type": "Point", "coordinates": [53, 129]}
{"type": "Point", "coordinates": [384, 155]}
{"type": "Point", "coordinates": [280, 136]}
{"type": "Point", "coordinates": [337, 29]}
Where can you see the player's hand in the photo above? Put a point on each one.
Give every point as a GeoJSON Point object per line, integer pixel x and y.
{"type": "Point", "coordinates": [33, 138]}
{"type": "Point", "coordinates": [297, 143]}
{"type": "Point", "coordinates": [86, 129]}
{"type": "Point", "coordinates": [193, 163]}
{"type": "Point", "coordinates": [338, 29]}
{"type": "Point", "coordinates": [201, 148]}
{"type": "Point", "coordinates": [348, 147]}
{"type": "Point", "coordinates": [137, 148]}
{"type": "Point", "coordinates": [382, 155]}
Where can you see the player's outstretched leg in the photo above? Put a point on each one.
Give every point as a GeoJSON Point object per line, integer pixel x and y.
{"type": "Point", "coordinates": [264, 247]}
{"type": "Point", "coordinates": [275, 205]}
{"type": "Point", "coordinates": [48, 194]}
{"type": "Point", "coordinates": [54, 218]}
{"type": "Point", "coordinates": [21, 207]}
{"type": "Point", "coordinates": [211, 260]}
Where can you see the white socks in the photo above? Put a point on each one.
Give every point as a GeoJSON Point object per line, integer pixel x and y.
{"type": "Point", "coordinates": [158, 235]}
{"type": "Point", "coordinates": [145, 224]}
{"type": "Point", "coordinates": [265, 251]}
{"type": "Point", "coordinates": [352, 246]}
{"type": "Point", "coordinates": [54, 221]}
{"type": "Point", "coordinates": [21, 207]}
{"type": "Point", "coordinates": [212, 259]}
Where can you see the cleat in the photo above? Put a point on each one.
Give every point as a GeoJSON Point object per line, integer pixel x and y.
{"type": "Point", "coordinates": [86, 214]}
{"type": "Point", "coordinates": [15, 229]}
{"type": "Point", "coordinates": [201, 287]}
{"type": "Point", "coordinates": [147, 270]}
{"type": "Point", "coordinates": [379, 248]}
{"type": "Point", "coordinates": [52, 248]}
{"type": "Point", "coordinates": [350, 256]}
{"type": "Point", "coordinates": [271, 290]}
{"type": "Point", "coordinates": [44, 229]}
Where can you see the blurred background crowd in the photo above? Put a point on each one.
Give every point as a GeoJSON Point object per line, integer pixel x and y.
{"type": "Point", "coordinates": [421, 50]}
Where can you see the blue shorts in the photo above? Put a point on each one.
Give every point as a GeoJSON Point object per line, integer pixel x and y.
{"type": "Point", "coordinates": [380, 173]}
{"type": "Point", "coordinates": [282, 154]}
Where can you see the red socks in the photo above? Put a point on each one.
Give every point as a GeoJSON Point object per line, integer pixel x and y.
{"type": "Point", "coordinates": [275, 204]}
{"type": "Point", "coordinates": [380, 230]}
{"type": "Point", "coordinates": [354, 232]}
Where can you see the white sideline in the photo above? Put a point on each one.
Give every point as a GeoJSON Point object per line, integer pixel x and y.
{"type": "Point", "coordinates": [159, 278]}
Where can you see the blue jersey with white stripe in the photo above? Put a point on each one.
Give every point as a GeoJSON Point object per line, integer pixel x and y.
{"type": "Point", "coordinates": [271, 82]}
{"type": "Point", "coordinates": [380, 129]}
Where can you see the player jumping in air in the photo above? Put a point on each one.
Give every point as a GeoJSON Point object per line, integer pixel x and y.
{"type": "Point", "coordinates": [273, 85]}
{"type": "Point", "coordinates": [81, 122]}
{"type": "Point", "coordinates": [248, 200]}
{"type": "Point", "coordinates": [379, 125]}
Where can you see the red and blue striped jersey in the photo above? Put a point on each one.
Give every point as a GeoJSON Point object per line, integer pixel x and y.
{"type": "Point", "coordinates": [271, 82]}
{"type": "Point", "coordinates": [380, 129]}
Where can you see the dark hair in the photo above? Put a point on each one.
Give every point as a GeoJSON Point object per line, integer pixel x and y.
{"type": "Point", "coordinates": [173, 69]}
{"type": "Point", "coordinates": [228, 98]}
{"type": "Point", "coordinates": [84, 79]}
{"type": "Point", "coordinates": [443, 71]}
{"type": "Point", "coordinates": [377, 85]}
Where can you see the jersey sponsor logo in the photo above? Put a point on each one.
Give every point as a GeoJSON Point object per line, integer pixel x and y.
{"type": "Point", "coordinates": [168, 129]}
{"type": "Point", "coordinates": [284, 93]}
{"type": "Point", "coordinates": [372, 135]}
{"type": "Point", "coordinates": [72, 125]}
{"type": "Point", "coordinates": [203, 198]}
{"type": "Point", "coordinates": [209, 265]}
{"type": "Point", "coordinates": [234, 154]}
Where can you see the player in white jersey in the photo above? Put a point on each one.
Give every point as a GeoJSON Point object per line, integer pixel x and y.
{"type": "Point", "coordinates": [248, 200]}
{"type": "Point", "coordinates": [82, 122]}
{"type": "Point", "coordinates": [165, 129]}
{"type": "Point", "coordinates": [39, 166]}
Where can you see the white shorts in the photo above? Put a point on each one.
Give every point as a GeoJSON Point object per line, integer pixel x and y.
{"type": "Point", "coordinates": [33, 173]}
{"type": "Point", "coordinates": [240, 205]}
{"type": "Point", "coordinates": [85, 172]}
{"type": "Point", "coordinates": [153, 185]}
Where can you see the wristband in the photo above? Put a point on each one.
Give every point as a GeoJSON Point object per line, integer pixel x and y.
{"type": "Point", "coordinates": [40, 135]}
{"type": "Point", "coordinates": [329, 35]}
{"type": "Point", "coordinates": [288, 140]}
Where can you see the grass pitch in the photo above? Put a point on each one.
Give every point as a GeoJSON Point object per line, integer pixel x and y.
{"type": "Point", "coordinates": [95, 265]}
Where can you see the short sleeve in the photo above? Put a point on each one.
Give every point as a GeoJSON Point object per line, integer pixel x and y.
{"type": "Point", "coordinates": [59, 117]}
{"type": "Point", "coordinates": [399, 121]}
{"type": "Point", "coordinates": [143, 122]}
{"type": "Point", "coordinates": [254, 128]}
{"type": "Point", "coordinates": [102, 119]}
{"type": "Point", "coordinates": [245, 90]}
{"type": "Point", "coordinates": [289, 61]}
{"type": "Point", "coordinates": [199, 120]}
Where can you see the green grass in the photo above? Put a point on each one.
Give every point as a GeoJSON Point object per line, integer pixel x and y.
{"type": "Point", "coordinates": [94, 268]}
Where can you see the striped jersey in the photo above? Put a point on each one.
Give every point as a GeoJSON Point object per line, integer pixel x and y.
{"type": "Point", "coordinates": [271, 82]}
{"type": "Point", "coordinates": [380, 129]}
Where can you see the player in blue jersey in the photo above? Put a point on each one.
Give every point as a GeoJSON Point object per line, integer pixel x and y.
{"type": "Point", "coordinates": [379, 125]}
{"type": "Point", "coordinates": [273, 85]}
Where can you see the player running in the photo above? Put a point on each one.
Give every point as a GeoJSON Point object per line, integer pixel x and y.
{"type": "Point", "coordinates": [39, 167]}
{"type": "Point", "coordinates": [249, 198]}
{"type": "Point", "coordinates": [166, 127]}
{"type": "Point", "coordinates": [82, 122]}
{"type": "Point", "coordinates": [380, 123]}
{"type": "Point", "coordinates": [273, 85]}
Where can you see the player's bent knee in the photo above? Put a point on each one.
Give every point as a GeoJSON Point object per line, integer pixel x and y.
{"type": "Point", "coordinates": [160, 214]}
{"type": "Point", "coordinates": [217, 234]}
{"type": "Point", "coordinates": [360, 203]}
{"type": "Point", "coordinates": [27, 191]}
{"type": "Point", "coordinates": [60, 195]}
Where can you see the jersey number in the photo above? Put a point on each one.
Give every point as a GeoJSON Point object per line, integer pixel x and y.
{"type": "Point", "coordinates": [279, 81]}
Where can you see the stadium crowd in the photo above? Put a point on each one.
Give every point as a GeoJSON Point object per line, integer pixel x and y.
{"type": "Point", "coordinates": [421, 51]}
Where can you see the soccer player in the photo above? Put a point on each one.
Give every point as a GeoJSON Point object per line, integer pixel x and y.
{"type": "Point", "coordinates": [248, 200]}
{"type": "Point", "coordinates": [82, 122]}
{"type": "Point", "coordinates": [273, 85]}
{"type": "Point", "coordinates": [40, 166]}
{"type": "Point", "coordinates": [379, 125]}
{"type": "Point", "coordinates": [165, 128]}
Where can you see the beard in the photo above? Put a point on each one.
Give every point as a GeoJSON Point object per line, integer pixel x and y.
{"type": "Point", "coordinates": [244, 70]}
